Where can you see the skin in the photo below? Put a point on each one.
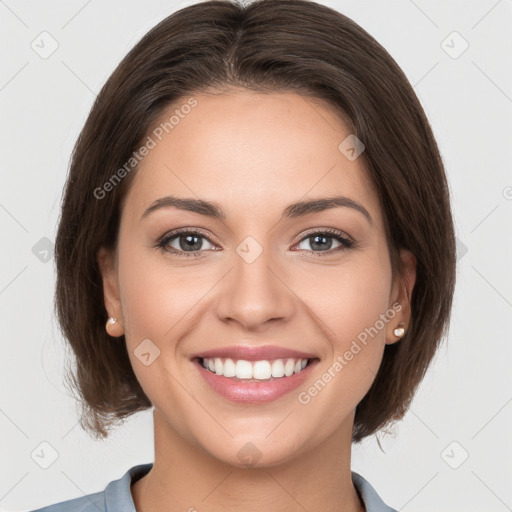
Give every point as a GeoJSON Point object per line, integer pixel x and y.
{"type": "Point", "coordinates": [253, 154]}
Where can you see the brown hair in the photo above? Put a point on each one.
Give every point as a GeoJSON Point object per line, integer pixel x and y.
{"type": "Point", "coordinates": [268, 45]}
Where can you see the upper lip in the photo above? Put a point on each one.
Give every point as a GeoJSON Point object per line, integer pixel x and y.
{"type": "Point", "coordinates": [252, 353]}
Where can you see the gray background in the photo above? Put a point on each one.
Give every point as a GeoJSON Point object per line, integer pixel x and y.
{"type": "Point", "coordinates": [453, 450]}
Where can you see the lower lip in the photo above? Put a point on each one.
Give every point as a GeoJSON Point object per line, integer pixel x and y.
{"type": "Point", "coordinates": [254, 392]}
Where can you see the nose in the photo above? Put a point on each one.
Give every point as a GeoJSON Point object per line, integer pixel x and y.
{"type": "Point", "coordinates": [256, 294]}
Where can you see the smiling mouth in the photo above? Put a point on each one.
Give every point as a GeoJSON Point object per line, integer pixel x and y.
{"type": "Point", "coordinates": [264, 370]}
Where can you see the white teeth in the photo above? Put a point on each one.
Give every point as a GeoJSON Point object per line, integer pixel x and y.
{"type": "Point", "coordinates": [243, 369]}
{"type": "Point", "coordinates": [229, 368]}
{"type": "Point", "coordinates": [289, 367]}
{"type": "Point", "coordinates": [278, 368]}
{"type": "Point", "coordinates": [259, 370]}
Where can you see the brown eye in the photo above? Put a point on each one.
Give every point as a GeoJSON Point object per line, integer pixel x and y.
{"type": "Point", "coordinates": [184, 243]}
{"type": "Point", "coordinates": [322, 241]}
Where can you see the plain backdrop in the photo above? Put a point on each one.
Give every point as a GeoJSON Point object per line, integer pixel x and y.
{"type": "Point", "coordinates": [453, 450]}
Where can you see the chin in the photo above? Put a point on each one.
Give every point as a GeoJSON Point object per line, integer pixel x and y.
{"type": "Point", "coordinates": [256, 452]}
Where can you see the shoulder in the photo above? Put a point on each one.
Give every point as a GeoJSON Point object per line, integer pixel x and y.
{"type": "Point", "coordinates": [115, 498]}
{"type": "Point", "coordinates": [89, 503]}
{"type": "Point", "coordinates": [373, 502]}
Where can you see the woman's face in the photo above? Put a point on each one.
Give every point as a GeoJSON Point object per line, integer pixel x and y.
{"type": "Point", "coordinates": [262, 277]}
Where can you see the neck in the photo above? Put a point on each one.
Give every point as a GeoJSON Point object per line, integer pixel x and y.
{"type": "Point", "coordinates": [185, 477]}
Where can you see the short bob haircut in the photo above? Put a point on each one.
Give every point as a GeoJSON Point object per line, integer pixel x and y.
{"type": "Point", "coordinates": [266, 46]}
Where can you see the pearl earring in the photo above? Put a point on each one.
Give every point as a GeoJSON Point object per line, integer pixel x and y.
{"type": "Point", "coordinates": [399, 332]}
{"type": "Point", "coordinates": [110, 322]}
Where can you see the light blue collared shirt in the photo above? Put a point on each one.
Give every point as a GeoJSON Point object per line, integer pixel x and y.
{"type": "Point", "coordinates": [117, 496]}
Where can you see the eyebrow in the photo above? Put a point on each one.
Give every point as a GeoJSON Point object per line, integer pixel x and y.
{"type": "Point", "coordinates": [294, 210]}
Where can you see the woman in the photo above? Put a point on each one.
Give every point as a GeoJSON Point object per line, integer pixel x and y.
{"type": "Point", "coordinates": [256, 240]}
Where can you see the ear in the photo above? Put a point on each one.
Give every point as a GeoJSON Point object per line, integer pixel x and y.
{"type": "Point", "coordinates": [108, 268]}
{"type": "Point", "coordinates": [401, 297]}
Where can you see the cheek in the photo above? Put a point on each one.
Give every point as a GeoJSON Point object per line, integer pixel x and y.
{"type": "Point", "coordinates": [353, 305]}
{"type": "Point", "coordinates": [160, 303]}
{"type": "Point", "coordinates": [350, 299]}
{"type": "Point", "coordinates": [155, 297]}
{"type": "Point", "coordinates": [153, 311]}
{"type": "Point", "coordinates": [350, 305]}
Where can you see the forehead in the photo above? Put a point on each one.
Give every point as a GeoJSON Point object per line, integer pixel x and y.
{"type": "Point", "coordinates": [249, 152]}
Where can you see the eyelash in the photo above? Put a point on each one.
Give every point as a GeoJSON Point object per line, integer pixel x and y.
{"type": "Point", "coordinates": [346, 242]}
